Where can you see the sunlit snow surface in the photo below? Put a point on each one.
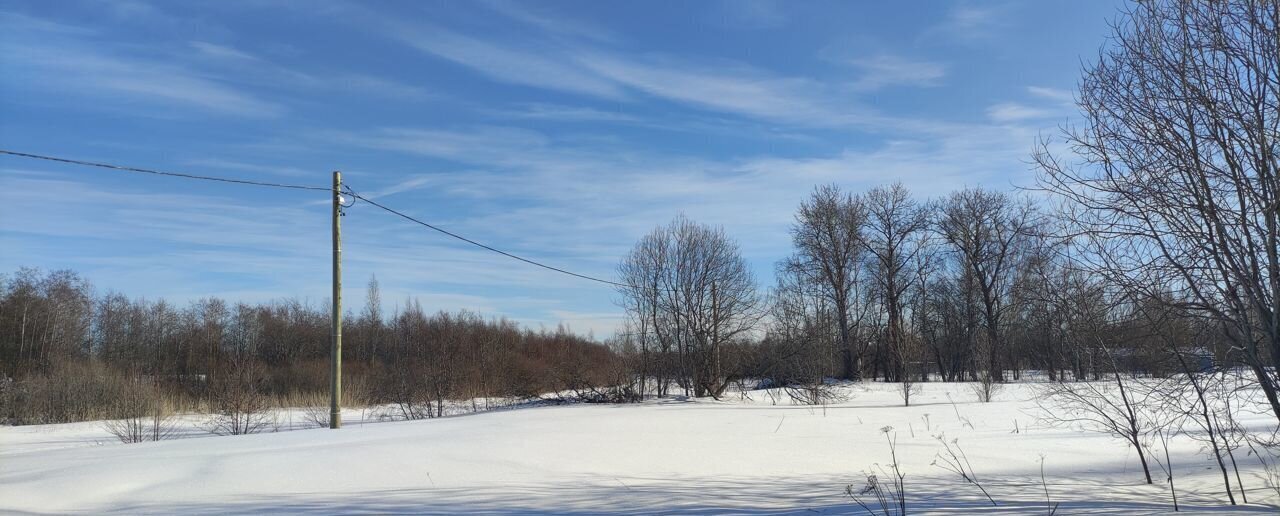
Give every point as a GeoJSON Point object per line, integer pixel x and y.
{"type": "Point", "coordinates": [735, 456]}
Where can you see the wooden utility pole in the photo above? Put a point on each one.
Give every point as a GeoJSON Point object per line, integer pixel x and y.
{"type": "Point", "coordinates": [335, 351]}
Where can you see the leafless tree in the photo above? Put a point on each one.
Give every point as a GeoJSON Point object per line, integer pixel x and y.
{"type": "Point", "coordinates": [148, 416]}
{"type": "Point", "coordinates": [370, 330]}
{"type": "Point", "coordinates": [894, 236]}
{"type": "Point", "coordinates": [1162, 435]}
{"type": "Point", "coordinates": [908, 352]}
{"type": "Point", "coordinates": [1194, 400]}
{"type": "Point", "coordinates": [988, 232]}
{"type": "Point", "coordinates": [829, 247]}
{"type": "Point", "coordinates": [239, 405]}
{"type": "Point", "coordinates": [947, 319]}
{"type": "Point", "coordinates": [1119, 407]}
{"type": "Point", "coordinates": [1175, 178]}
{"type": "Point", "coordinates": [1234, 435]}
{"type": "Point", "coordinates": [44, 318]}
{"type": "Point", "coordinates": [1202, 415]}
{"type": "Point", "coordinates": [797, 350]}
{"type": "Point", "coordinates": [696, 289]}
{"type": "Point", "coordinates": [643, 271]}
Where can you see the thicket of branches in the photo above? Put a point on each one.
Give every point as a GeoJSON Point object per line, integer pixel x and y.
{"type": "Point", "coordinates": [69, 354]}
{"type": "Point", "coordinates": [1171, 189]}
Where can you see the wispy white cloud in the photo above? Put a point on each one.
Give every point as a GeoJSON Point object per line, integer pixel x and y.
{"type": "Point", "coordinates": [971, 22]}
{"type": "Point", "coordinates": [703, 125]}
{"type": "Point", "coordinates": [888, 70]}
{"type": "Point", "coordinates": [409, 184]}
{"type": "Point", "coordinates": [564, 200]}
{"type": "Point", "coordinates": [51, 56]}
{"type": "Point", "coordinates": [226, 164]}
{"type": "Point", "coordinates": [584, 67]}
{"type": "Point", "coordinates": [474, 145]}
{"type": "Point", "coordinates": [253, 69]}
{"type": "Point", "coordinates": [1047, 103]}
{"type": "Point", "coordinates": [1063, 99]}
{"type": "Point", "coordinates": [504, 63]}
{"type": "Point", "coordinates": [544, 111]}
{"type": "Point", "coordinates": [221, 51]}
{"type": "Point", "coordinates": [1015, 112]}
{"type": "Point", "coordinates": [146, 81]}
{"type": "Point", "coordinates": [141, 13]}
{"type": "Point", "coordinates": [362, 84]}
{"type": "Point", "coordinates": [19, 25]}
{"type": "Point", "coordinates": [731, 88]}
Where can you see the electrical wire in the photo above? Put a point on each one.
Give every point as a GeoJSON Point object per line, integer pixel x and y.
{"type": "Point", "coordinates": [486, 247]}
{"type": "Point", "coordinates": [346, 190]}
{"type": "Point", "coordinates": [161, 173]}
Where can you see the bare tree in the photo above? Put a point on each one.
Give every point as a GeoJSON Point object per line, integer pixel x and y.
{"type": "Point", "coordinates": [1203, 414]}
{"type": "Point", "coordinates": [643, 271]}
{"type": "Point", "coordinates": [827, 236]}
{"type": "Point", "coordinates": [907, 353]}
{"type": "Point", "coordinates": [1177, 176]}
{"type": "Point", "coordinates": [894, 235]}
{"type": "Point", "coordinates": [372, 327]}
{"type": "Point", "coordinates": [700, 295]}
{"type": "Point", "coordinates": [797, 350]}
{"type": "Point", "coordinates": [1118, 407]}
{"type": "Point", "coordinates": [147, 415]}
{"type": "Point", "coordinates": [1162, 434]}
{"type": "Point", "coordinates": [947, 319]}
{"type": "Point", "coordinates": [988, 233]}
{"type": "Point", "coordinates": [239, 405]}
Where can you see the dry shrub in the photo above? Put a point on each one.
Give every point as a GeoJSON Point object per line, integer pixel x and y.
{"type": "Point", "coordinates": [356, 393]}
{"type": "Point", "coordinates": [237, 401]}
{"type": "Point", "coordinates": [68, 392]}
{"type": "Point", "coordinates": [151, 413]}
{"type": "Point", "coordinates": [816, 392]}
{"type": "Point", "coordinates": [986, 388]}
{"type": "Point", "coordinates": [299, 376]}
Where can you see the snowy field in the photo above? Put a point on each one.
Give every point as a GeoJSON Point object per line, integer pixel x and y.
{"type": "Point", "coordinates": [692, 457]}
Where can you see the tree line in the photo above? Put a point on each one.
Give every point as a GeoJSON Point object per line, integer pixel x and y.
{"type": "Point", "coordinates": [973, 286]}
{"type": "Point", "coordinates": [67, 354]}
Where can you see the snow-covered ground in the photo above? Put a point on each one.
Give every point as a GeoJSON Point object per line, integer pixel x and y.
{"type": "Point", "coordinates": [694, 457]}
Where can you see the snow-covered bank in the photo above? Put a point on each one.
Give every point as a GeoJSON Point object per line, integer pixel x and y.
{"type": "Point", "coordinates": [701, 457]}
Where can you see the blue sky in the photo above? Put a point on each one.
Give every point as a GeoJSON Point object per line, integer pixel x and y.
{"type": "Point", "coordinates": [562, 131]}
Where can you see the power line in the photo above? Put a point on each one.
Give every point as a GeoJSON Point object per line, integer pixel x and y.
{"type": "Point", "coordinates": [347, 191]}
{"type": "Point", "coordinates": [486, 247]}
{"type": "Point", "coordinates": [161, 173]}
